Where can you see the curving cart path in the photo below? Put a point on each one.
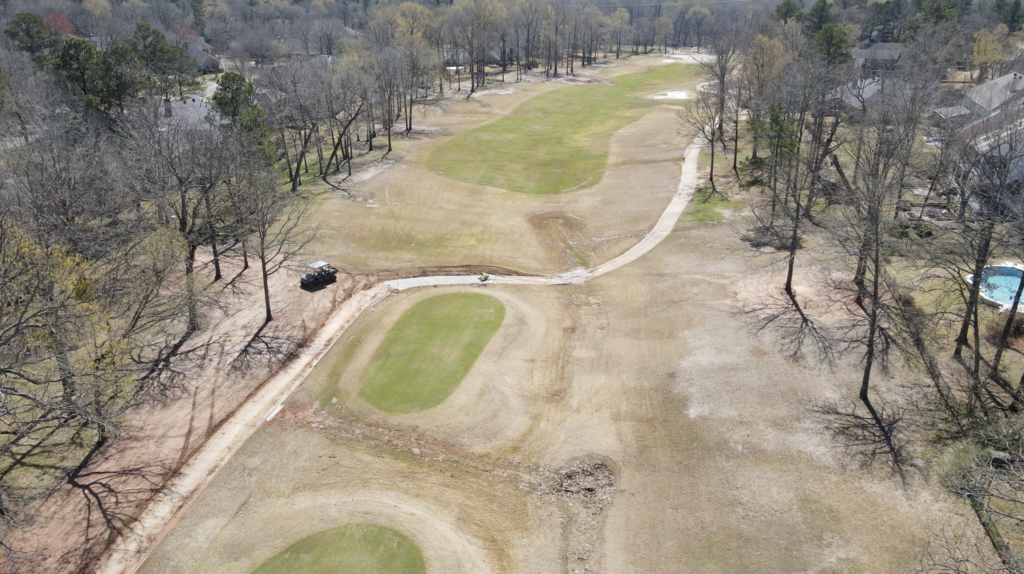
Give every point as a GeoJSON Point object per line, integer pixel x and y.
{"type": "Point", "coordinates": [128, 553]}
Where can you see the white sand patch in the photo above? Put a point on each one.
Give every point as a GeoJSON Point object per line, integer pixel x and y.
{"type": "Point", "coordinates": [689, 56]}
{"type": "Point", "coordinates": [672, 95]}
{"type": "Point", "coordinates": [496, 92]}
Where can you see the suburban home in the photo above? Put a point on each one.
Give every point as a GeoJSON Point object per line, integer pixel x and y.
{"type": "Point", "coordinates": [858, 95]}
{"type": "Point", "coordinates": [986, 99]}
{"type": "Point", "coordinates": [878, 56]}
{"type": "Point", "coordinates": [205, 62]}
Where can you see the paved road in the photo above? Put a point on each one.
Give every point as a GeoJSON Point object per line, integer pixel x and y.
{"type": "Point", "coordinates": [156, 521]}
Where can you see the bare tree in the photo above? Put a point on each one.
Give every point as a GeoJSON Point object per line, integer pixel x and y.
{"type": "Point", "coordinates": [182, 167]}
{"type": "Point", "coordinates": [701, 116]}
{"type": "Point", "coordinates": [328, 35]}
{"type": "Point", "coordinates": [987, 181]}
{"type": "Point", "coordinates": [474, 21]}
{"type": "Point", "coordinates": [277, 221]}
{"type": "Point", "coordinates": [955, 549]}
{"type": "Point", "coordinates": [988, 472]}
{"type": "Point", "coordinates": [304, 32]}
{"type": "Point", "coordinates": [864, 287]}
{"type": "Point", "coordinates": [63, 385]}
{"type": "Point", "coordinates": [724, 47]}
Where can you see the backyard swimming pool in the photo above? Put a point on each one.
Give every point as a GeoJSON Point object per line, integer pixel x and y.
{"type": "Point", "coordinates": [999, 284]}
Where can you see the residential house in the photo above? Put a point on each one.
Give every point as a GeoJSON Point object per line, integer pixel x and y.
{"type": "Point", "coordinates": [878, 56]}
{"type": "Point", "coordinates": [986, 99]}
{"type": "Point", "coordinates": [205, 63]}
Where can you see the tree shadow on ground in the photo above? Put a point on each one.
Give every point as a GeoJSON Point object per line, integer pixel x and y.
{"type": "Point", "coordinates": [271, 345]}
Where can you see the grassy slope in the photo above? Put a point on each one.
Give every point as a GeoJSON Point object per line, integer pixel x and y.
{"type": "Point", "coordinates": [428, 351]}
{"type": "Point", "coordinates": [557, 141]}
{"type": "Point", "coordinates": [363, 548]}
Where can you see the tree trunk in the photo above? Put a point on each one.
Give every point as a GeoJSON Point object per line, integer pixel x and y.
{"type": "Point", "coordinates": [191, 299]}
{"type": "Point", "coordinates": [266, 281]}
{"type": "Point", "coordinates": [794, 237]}
{"type": "Point", "coordinates": [871, 340]}
{"type": "Point", "coordinates": [981, 259]}
{"type": "Point", "coordinates": [1004, 336]}
{"type": "Point", "coordinates": [736, 141]}
{"type": "Point", "coordinates": [287, 156]}
{"type": "Point", "coordinates": [711, 173]}
{"type": "Point", "coordinates": [213, 239]}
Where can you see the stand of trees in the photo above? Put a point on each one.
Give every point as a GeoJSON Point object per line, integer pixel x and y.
{"type": "Point", "coordinates": [834, 157]}
{"type": "Point", "coordinates": [115, 222]}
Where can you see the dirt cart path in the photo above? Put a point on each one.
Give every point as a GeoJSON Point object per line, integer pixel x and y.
{"type": "Point", "coordinates": [127, 554]}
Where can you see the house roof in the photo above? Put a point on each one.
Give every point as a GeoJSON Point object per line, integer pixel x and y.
{"type": "Point", "coordinates": [986, 98]}
{"type": "Point", "coordinates": [197, 54]}
{"type": "Point", "coordinates": [857, 94]}
{"type": "Point", "coordinates": [879, 52]}
{"type": "Point", "coordinates": [952, 112]}
{"type": "Point", "coordinates": [203, 60]}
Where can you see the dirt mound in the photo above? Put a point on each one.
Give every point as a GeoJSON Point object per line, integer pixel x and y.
{"type": "Point", "coordinates": [586, 486]}
{"type": "Point", "coordinates": [589, 483]}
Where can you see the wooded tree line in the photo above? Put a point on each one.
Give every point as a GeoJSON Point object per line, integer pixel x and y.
{"type": "Point", "coordinates": [118, 225]}
{"type": "Point", "coordinates": [884, 226]}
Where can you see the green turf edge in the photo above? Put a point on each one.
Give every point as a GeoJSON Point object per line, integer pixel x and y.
{"type": "Point", "coordinates": [355, 548]}
{"type": "Point", "coordinates": [429, 350]}
{"type": "Point", "coordinates": [555, 142]}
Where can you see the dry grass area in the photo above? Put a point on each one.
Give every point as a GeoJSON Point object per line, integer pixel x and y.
{"type": "Point", "coordinates": [651, 372]}
{"type": "Point", "coordinates": [411, 217]}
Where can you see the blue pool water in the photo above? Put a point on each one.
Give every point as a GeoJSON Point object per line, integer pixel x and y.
{"type": "Point", "coordinates": [1000, 284]}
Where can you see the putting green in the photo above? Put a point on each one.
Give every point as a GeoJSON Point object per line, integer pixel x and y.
{"type": "Point", "coordinates": [557, 141]}
{"type": "Point", "coordinates": [355, 548]}
{"type": "Point", "coordinates": [429, 350]}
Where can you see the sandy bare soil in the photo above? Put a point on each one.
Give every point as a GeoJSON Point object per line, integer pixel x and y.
{"type": "Point", "coordinates": [629, 424]}
{"type": "Point", "coordinates": [719, 463]}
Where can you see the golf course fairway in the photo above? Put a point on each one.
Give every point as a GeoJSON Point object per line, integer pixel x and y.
{"type": "Point", "coordinates": [557, 141]}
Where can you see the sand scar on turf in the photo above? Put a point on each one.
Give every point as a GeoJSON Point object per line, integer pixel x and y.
{"type": "Point", "coordinates": [128, 553]}
{"type": "Point", "coordinates": [672, 95]}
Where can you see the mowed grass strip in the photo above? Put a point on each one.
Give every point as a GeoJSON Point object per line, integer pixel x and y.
{"type": "Point", "coordinates": [362, 548]}
{"type": "Point", "coordinates": [429, 350]}
{"type": "Point", "coordinates": [557, 141]}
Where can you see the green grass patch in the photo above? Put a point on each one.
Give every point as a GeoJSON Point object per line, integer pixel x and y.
{"type": "Point", "coordinates": [706, 206]}
{"type": "Point", "coordinates": [429, 350]}
{"type": "Point", "coordinates": [362, 548]}
{"type": "Point", "coordinates": [557, 141]}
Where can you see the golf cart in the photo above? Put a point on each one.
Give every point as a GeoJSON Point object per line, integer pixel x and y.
{"type": "Point", "coordinates": [318, 273]}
